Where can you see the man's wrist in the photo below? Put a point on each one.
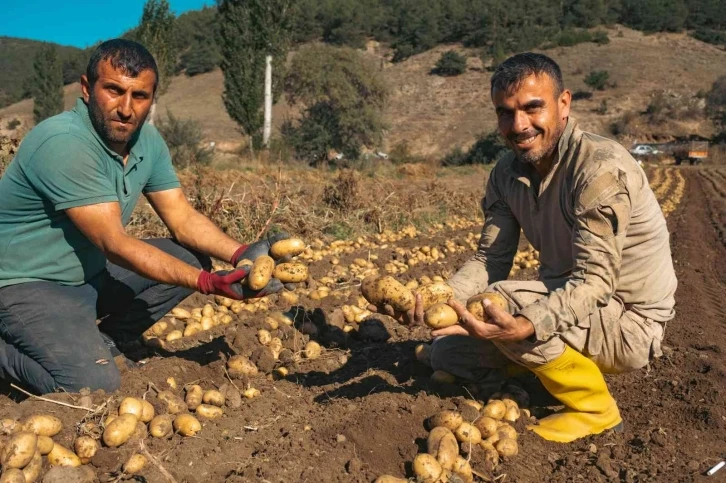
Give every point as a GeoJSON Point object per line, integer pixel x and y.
{"type": "Point", "coordinates": [526, 327]}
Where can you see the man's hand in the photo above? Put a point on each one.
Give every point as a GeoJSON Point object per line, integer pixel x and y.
{"type": "Point", "coordinates": [257, 249]}
{"type": "Point", "coordinates": [415, 316]}
{"type": "Point", "coordinates": [501, 326]}
{"type": "Point", "coordinates": [227, 283]}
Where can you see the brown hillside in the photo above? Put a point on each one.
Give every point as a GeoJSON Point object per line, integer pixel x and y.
{"type": "Point", "coordinates": [434, 114]}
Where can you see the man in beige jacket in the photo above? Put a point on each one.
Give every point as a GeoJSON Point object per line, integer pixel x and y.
{"type": "Point", "coordinates": [606, 281]}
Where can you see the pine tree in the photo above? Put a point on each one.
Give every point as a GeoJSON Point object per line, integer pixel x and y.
{"type": "Point", "coordinates": [47, 84]}
{"type": "Point", "coordinates": [156, 33]}
{"type": "Point", "coordinates": [249, 31]}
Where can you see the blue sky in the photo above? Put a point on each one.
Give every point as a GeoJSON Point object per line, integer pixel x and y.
{"type": "Point", "coordinates": [80, 23]}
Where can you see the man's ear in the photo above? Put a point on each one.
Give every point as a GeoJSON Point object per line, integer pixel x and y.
{"type": "Point", "coordinates": [85, 88]}
{"type": "Point", "coordinates": [565, 102]}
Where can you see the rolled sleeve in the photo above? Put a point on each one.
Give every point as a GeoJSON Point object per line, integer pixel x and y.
{"type": "Point", "coordinates": [162, 176]}
{"type": "Point", "coordinates": [602, 215]}
{"type": "Point", "coordinates": [495, 252]}
{"type": "Point", "coordinates": [68, 174]}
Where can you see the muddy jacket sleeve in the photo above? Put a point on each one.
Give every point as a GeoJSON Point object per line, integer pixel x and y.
{"type": "Point", "coordinates": [602, 214]}
{"type": "Point", "coordinates": [497, 247]}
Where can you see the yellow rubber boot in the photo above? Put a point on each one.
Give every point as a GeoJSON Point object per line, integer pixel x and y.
{"type": "Point", "coordinates": [578, 384]}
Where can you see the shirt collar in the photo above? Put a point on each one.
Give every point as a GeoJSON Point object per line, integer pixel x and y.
{"type": "Point", "coordinates": [81, 108]}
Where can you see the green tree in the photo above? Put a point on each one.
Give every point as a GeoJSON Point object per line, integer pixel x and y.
{"type": "Point", "coordinates": [250, 30]}
{"type": "Point", "coordinates": [451, 63]}
{"type": "Point", "coordinates": [47, 84]}
{"type": "Point", "coordinates": [342, 97]}
{"type": "Point", "coordinates": [654, 15]}
{"type": "Point", "coordinates": [583, 13]}
{"type": "Point", "coordinates": [156, 33]}
{"type": "Point", "coordinates": [716, 102]}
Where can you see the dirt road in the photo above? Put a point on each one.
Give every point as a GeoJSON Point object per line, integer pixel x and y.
{"type": "Point", "coordinates": [359, 411]}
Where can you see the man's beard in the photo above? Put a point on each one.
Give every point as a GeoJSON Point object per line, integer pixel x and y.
{"type": "Point", "coordinates": [535, 157]}
{"type": "Point", "coordinates": [104, 125]}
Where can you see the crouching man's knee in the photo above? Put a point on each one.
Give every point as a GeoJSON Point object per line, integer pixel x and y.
{"type": "Point", "coordinates": [94, 375]}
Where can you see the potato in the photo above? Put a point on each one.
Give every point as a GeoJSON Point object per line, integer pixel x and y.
{"type": "Point", "coordinates": [194, 396]}
{"type": "Point", "coordinates": [291, 272]}
{"type": "Point", "coordinates": [12, 475]}
{"type": "Point", "coordinates": [495, 410]}
{"type": "Point", "coordinates": [208, 411]}
{"type": "Point", "coordinates": [447, 419]}
{"type": "Point", "coordinates": [290, 247]}
{"type": "Point", "coordinates": [251, 392]}
{"type": "Point", "coordinates": [468, 433]}
{"type": "Point", "coordinates": [173, 335]}
{"type": "Point", "coordinates": [506, 431]}
{"type": "Point", "coordinates": [45, 444]}
{"type": "Point", "coordinates": [462, 469]}
{"type": "Point", "coordinates": [260, 273]}
{"type": "Point", "coordinates": [390, 479]}
{"type": "Point", "coordinates": [147, 411]}
{"type": "Point", "coordinates": [389, 291]}
{"type": "Point", "coordinates": [207, 310]}
{"type": "Point", "coordinates": [312, 350]}
{"type": "Point", "coordinates": [426, 468]}
{"type": "Point", "coordinates": [160, 426]}
{"type": "Point", "coordinates": [435, 293]}
{"type": "Point", "coordinates": [7, 425]}
{"type": "Point", "coordinates": [207, 323]}
{"type": "Point", "coordinates": [440, 316]}
{"type": "Point", "coordinates": [442, 445]}
{"type": "Point", "coordinates": [62, 456]}
{"type": "Point", "coordinates": [19, 450]}
{"type": "Point", "coordinates": [130, 405]}
{"type": "Point", "coordinates": [509, 402]}
{"type": "Point", "coordinates": [174, 403]}
{"type": "Point", "coordinates": [442, 377]}
{"type": "Point", "coordinates": [180, 313]}
{"type": "Point", "coordinates": [85, 447]}
{"type": "Point", "coordinates": [507, 447]}
{"type": "Point", "coordinates": [423, 354]}
{"type": "Point", "coordinates": [475, 404]}
{"type": "Point", "coordinates": [486, 426]}
{"type": "Point", "coordinates": [240, 365]}
{"type": "Point", "coordinates": [244, 262]}
{"type": "Point", "coordinates": [492, 440]}
{"type": "Point", "coordinates": [264, 336]}
{"type": "Point", "coordinates": [159, 328]}
{"type": "Point", "coordinates": [476, 307]}
{"type": "Point", "coordinates": [187, 425]}
{"type": "Point", "coordinates": [119, 430]}
{"type": "Point", "coordinates": [32, 470]}
{"type": "Point", "coordinates": [512, 414]}
{"type": "Point", "coordinates": [43, 425]}
{"type": "Point", "coordinates": [491, 458]}
{"type": "Point", "coordinates": [213, 397]}
{"type": "Point", "coordinates": [275, 346]}
{"type": "Point", "coordinates": [134, 464]}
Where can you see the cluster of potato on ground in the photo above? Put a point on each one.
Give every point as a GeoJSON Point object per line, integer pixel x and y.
{"type": "Point", "coordinates": [476, 432]}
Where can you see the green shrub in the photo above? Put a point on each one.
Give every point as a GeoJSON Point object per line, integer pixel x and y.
{"type": "Point", "coordinates": [11, 125]}
{"type": "Point", "coordinates": [486, 149]}
{"type": "Point", "coordinates": [597, 79]}
{"type": "Point", "coordinates": [184, 138]}
{"type": "Point", "coordinates": [450, 64]}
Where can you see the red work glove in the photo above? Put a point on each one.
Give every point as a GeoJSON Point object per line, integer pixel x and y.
{"type": "Point", "coordinates": [227, 284]}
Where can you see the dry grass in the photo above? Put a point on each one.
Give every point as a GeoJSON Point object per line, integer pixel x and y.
{"type": "Point", "coordinates": [314, 203]}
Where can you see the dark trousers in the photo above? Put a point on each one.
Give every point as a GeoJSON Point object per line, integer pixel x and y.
{"type": "Point", "coordinates": [48, 333]}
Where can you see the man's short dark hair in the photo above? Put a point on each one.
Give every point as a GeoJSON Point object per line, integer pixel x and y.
{"type": "Point", "coordinates": [512, 72]}
{"type": "Point", "coordinates": [126, 55]}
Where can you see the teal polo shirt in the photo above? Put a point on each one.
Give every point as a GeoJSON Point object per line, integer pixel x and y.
{"type": "Point", "coordinates": [63, 163]}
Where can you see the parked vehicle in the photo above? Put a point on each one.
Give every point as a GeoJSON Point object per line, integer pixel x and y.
{"type": "Point", "coordinates": [692, 151]}
{"type": "Point", "coordinates": [643, 150]}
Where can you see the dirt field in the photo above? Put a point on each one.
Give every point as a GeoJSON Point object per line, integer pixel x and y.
{"type": "Point", "coordinates": [359, 410]}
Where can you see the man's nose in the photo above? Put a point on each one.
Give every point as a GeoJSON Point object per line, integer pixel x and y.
{"type": "Point", "coordinates": [520, 122]}
{"type": "Point", "coordinates": [124, 107]}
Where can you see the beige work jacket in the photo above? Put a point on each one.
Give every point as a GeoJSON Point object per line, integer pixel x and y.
{"type": "Point", "coordinates": [594, 220]}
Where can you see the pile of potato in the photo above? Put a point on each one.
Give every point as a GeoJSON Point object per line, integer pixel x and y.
{"type": "Point", "coordinates": [450, 436]}
{"type": "Point", "coordinates": [381, 291]}
{"type": "Point", "coordinates": [23, 445]}
{"type": "Point", "coordinates": [527, 258]}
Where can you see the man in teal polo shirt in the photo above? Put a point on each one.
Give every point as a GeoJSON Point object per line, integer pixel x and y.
{"type": "Point", "coordinates": [65, 258]}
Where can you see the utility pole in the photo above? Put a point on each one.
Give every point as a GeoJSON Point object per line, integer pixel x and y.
{"type": "Point", "coordinates": [267, 126]}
